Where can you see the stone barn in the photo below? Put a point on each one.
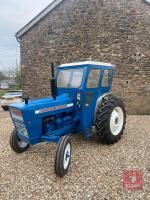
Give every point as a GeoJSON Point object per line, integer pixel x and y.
{"type": "Point", "coordinates": [115, 31]}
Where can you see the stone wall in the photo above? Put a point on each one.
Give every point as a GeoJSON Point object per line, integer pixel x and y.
{"type": "Point", "coordinates": [115, 31]}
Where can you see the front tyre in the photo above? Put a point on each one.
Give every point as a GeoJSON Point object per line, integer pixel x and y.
{"type": "Point", "coordinates": [110, 119]}
{"type": "Point", "coordinates": [16, 144]}
{"type": "Point", "coordinates": [5, 108]}
{"type": "Point", "coordinates": [63, 156]}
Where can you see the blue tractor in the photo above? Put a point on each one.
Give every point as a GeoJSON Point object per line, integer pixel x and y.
{"type": "Point", "coordinates": [80, 101]}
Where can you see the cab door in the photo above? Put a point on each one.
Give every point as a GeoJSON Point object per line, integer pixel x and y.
{"type": "Point", "coordinates": [98, 82]}
{"type": "Point", "coordinates": [89, 98]}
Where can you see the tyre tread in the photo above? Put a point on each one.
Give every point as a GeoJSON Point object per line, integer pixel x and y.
{"type": "Point", "coordinates": [103, 119]}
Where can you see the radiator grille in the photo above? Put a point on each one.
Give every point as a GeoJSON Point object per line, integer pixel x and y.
{"type": "Point", "coordinates": [21, 127]}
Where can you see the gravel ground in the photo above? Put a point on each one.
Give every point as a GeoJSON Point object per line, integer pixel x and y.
{"type": "Point", "coordinates": [95, 173]}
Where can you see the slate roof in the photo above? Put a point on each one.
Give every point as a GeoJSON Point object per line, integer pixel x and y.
{"type": "Point", "coordinates": [36, 19]}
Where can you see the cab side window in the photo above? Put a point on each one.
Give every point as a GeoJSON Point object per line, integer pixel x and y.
{"type": "Point", "coordinates": [93, 79]}
{"type": "Point", "coordinates": [107, 78]}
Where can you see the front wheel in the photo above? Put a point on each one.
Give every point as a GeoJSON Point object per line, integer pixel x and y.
{"type": "Point", "coordinates": [63, 156]}
{"type": "Point", "coordinates": [5, 108]}
{"type": "Point", "coordinates": [16, 144]}
{"type": "Point", "coordinates": [110, 119]}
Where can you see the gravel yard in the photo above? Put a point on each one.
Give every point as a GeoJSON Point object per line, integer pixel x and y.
{"type": "Point", "coordinates": [96, 171]}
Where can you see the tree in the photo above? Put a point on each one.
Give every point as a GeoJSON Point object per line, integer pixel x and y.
{"type": "Point", "coordinates": [15, 74]}
{"type": "Point", "coordinates": [2, 76]}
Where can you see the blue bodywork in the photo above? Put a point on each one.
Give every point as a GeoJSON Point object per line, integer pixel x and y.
{"type": "Point", "coordinates": [73, 110]}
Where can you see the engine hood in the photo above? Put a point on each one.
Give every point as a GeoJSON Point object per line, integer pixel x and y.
{"type": "Point", "coordinates": [42, 106]}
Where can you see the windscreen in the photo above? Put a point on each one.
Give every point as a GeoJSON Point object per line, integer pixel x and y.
{"type": "Point", "coordinates": [69, 78]}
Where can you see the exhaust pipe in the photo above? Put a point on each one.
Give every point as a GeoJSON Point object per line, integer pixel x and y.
{"type": "Point", "coordinates": [26, 99]}
{"type": "Point", "coordinates": [53, 83]}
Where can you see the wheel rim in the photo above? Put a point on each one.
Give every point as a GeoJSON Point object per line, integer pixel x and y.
{"type": "Point", "coordinates": [116, 120]}
{"type": "Point", "coordinates": [67, 155]}
{"type": "Point", "coordinates": [22, 144]}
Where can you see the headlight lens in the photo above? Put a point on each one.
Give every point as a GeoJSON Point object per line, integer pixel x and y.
{"type": "Point", "coordinates": [16, 114]}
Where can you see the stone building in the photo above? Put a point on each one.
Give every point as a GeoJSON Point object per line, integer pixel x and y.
{"type": "Point", "coordinates": [115, 31]}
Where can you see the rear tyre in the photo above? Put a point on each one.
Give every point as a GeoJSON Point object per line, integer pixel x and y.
{"type": "Point", "coordinates": [110, 119]}
{"type": "Point", "coordinates": [63, 156]}
{"type": "Point", "coordinates": [16, 144]}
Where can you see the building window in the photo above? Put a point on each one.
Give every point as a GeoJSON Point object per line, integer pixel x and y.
{"type": "Point", "coordinates": [93, 78]}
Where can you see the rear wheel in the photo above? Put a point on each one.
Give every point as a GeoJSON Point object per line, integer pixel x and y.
{"type": "Point", "coordinates": [16, 144]}
{"type": "Point", "coordinates": [110, 119]}
{"type": "Point", "coordinates": [63, 156]}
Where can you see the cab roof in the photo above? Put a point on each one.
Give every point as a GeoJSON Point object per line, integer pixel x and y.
{"type": "Point", "coordinates": [86, 64]}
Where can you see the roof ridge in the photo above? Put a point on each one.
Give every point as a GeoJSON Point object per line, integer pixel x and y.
{"type": "Point", "coordinates": [86, 63]}
{"type": "Point", "coordinates": [38, 17]}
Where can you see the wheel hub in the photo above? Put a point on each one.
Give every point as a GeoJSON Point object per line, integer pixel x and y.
{"type": "Point", "coordinates": [22, 144]}
{"type": "Point", "coordinates": [116, 121]}
{"type": "Point", "coordinates": [67, 154]}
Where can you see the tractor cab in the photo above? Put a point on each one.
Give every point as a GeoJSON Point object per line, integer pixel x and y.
{"type": "Point", "coordinates": [85, 82]}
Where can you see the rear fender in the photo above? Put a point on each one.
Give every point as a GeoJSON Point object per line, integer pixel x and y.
{"type": "Point", "coordinates": [98, 103]}
{"type": "Point", "coordinates": [100, 99]}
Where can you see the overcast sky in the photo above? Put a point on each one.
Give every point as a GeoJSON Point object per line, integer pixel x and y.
{"type": "Point", "coordinates": [14, 14]}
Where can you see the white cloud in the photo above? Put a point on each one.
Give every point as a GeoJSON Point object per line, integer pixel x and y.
{"type": "Point", "coordinates": [14, 14]}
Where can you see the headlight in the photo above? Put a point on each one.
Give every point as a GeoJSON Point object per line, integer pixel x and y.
{"type": "Point", "coordinates": [16, 114]}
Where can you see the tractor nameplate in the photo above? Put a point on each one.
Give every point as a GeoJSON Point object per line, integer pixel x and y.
{"type": "Point", "coordinates": [53, 108]}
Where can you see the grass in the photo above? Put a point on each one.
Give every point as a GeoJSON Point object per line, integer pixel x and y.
{"type": "Point", "coordinates": [2, 92]}
{"type": "Point", "coordinates": [14, 87]}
